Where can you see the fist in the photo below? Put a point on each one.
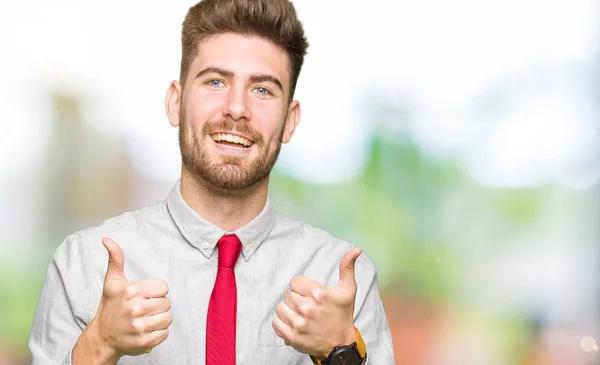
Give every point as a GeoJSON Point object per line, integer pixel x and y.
{"type": "Point", "coordinates": [314, 319]}
{"type": "Point", "coordinates": [133, 316]}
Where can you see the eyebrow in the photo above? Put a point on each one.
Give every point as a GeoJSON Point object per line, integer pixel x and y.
{"type": "Point", "coordinates": [214, 70]}
{"type": "Point", "coordinates": [253, 78]}
{"type": "Point", "coordinates": [267, 78]}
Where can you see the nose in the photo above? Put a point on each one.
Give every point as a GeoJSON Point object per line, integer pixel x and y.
{"type": "Point", "coordinates": [236, 105]}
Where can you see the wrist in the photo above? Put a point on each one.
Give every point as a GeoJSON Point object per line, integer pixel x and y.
{"type": "Point", "coordinates": [91, 348]}
{"type": "Point", "coordinates": [348, 338]}
{"type": "Point", "coordinates": [355, 339]}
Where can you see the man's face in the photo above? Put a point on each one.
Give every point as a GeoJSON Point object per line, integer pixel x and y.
{"type": "Point", "coordinates": [234, 111]}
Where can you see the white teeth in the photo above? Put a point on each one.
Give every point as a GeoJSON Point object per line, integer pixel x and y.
{"type": "Point", "coordinates": [231, 138]}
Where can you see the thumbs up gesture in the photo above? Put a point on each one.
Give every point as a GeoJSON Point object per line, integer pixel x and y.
{"type": "Point", "coordinates": [314, 319]}
{"type": "Point", "coordinates": [133, 316]}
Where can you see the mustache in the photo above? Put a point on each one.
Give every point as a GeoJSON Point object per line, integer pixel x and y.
{"type": "Point", "coordinates": [228, 125]}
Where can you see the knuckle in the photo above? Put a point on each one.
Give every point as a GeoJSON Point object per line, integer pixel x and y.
{"type": "Point", "coordinates": [143, 342]}
{"type": "Point", "coordinates": [301, 308]}
{"type": "Point", "coordinates": [300, 323]}
{"type": "Point", "coordinates": [318, 294]}
{"type": "Point", "coordinates": [131, 291]}
{"type": "Point", "coordinates": [291, 339]}
{"type": "Point", "coordinates": [138, 326]}
{"type": "Point", "coordinates": [136, 310]}
{"type": "Point", "coordinates": [305, 309]}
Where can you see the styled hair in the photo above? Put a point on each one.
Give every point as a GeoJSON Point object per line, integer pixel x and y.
{"type": "Point", "coordinates": [273, 20]}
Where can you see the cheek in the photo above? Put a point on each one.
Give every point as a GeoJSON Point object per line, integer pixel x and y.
{"type": "Point", "coordinates": [268, 120]}
{"type": "Point", "coordinates": [201, 108]}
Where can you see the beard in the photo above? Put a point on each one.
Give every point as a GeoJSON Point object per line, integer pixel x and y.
{"type": "Point", "coordinates": [233, 172]}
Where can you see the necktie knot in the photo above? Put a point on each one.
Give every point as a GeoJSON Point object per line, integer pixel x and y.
{"type": "Point", "coordinates": [229, 250]}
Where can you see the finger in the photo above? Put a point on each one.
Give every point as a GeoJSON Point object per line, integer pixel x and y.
{"type": "Point", "coordinates": [155, 338]}
{"type": "Point", "coordinates": [347, 280]}
{"type": "Point", "coordinates": [293, 300]}
{"type": "Point", "coordinates": [305, 307]}
{"type": "Point", "coordinates": [152, 306]}
{"type": "Point", "coordinates": [281, 329]}
{"type": "Point", "coordinates": [152, 288]}
{"type": "Point", "coordinates": [287, 315]}
{"type": "Point", "coordinates": [116, 260]}
{"type": "Point", "coordinates": [159, 321]}
{"type": "Point", "coordinates": [303, 285]}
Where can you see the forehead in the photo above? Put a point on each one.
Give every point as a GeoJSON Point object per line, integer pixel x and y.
{"type": "Point", "coordinates": [243, 55]}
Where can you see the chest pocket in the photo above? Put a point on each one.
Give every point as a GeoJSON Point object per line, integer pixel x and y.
{"type": "Point", "coordinates": [274, 351]}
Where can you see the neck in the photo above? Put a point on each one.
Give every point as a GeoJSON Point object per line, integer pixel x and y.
{"type": "Point", "coordinates": [228, 210]}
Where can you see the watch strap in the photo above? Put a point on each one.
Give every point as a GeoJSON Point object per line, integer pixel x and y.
{"type": "Point", "coordinates": [360, 346]}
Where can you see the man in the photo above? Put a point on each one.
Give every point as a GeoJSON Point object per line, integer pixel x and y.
{"type": "Point", "coordinates": [213, 275]}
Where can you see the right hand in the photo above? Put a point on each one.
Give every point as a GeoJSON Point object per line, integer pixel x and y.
{"type": "Point", "coordinates": [133, 316]}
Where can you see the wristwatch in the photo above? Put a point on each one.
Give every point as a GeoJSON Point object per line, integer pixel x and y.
{"type": "Point", "coordinates": [344, 355]}
{"type": "Point", "coordinates": [353, 354]}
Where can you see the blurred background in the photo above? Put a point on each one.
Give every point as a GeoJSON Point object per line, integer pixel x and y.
{"type": "Point", "coordinates": [457, 142]}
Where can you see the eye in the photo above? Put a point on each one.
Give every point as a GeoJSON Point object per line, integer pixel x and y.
{"type": "Point", "coordinates": [262, 91]}
{"type": "Point", "coordinates": [215, 83]}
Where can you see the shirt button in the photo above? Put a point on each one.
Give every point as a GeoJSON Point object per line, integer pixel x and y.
{"type": "Point", "coordinates": [205, 245]}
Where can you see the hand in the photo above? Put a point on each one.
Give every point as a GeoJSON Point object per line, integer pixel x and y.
{"type": "Point", "coordinates": [314, 319]}
{"type": "Point", "coordinates": [133, 316]}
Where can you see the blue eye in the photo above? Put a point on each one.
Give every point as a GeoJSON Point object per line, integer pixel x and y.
{"type": "Point", "coordinates": [262, 91]}
{"type": "Point", "coordinates": [215, 83]}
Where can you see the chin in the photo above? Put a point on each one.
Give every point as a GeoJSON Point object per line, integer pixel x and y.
{"type": "Point", "coordinates": [229, 177]}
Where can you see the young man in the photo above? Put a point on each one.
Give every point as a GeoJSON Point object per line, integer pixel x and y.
{"type": "Point", "coordinates": [212, 275]}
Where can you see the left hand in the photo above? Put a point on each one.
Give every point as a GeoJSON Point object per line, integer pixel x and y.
{"type": "Point", "coordinates": [313, 319]}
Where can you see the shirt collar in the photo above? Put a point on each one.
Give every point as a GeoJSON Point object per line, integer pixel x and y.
{"type": "Point", "coordinates": [204, 235]}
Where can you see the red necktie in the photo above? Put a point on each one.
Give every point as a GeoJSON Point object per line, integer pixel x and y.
{"type": "Point", "coordinates": [222, 308]}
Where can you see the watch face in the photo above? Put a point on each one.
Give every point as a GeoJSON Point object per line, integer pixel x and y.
{"type": "Point", "coordinates": [347, 357]}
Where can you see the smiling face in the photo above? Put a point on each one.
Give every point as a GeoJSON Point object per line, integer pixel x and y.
{"type": "Point", "coordinates": [234, 110]}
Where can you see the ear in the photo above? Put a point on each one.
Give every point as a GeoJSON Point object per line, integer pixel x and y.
{"type": "Point", "coordinates": [173, 102]}
{"type": "Point", "coordinates": [291, 122]}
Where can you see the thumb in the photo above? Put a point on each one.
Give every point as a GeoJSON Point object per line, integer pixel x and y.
{"type": "Point", "coordinates": [116, 260]}
{"type": "Point", "coordinates": [347, 281]}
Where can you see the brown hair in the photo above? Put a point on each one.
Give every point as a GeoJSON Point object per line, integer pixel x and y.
{"type": "Point", "coordinates": [273, 20]}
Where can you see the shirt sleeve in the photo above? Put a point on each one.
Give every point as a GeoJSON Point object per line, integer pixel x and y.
{"type": "Point", "coordinates": [55, 329]}
{"type": "Point", "coordinates": [369, 315]}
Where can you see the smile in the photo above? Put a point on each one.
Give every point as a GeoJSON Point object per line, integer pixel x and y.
{"type": "Point", "coordinates": [231, 140]}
